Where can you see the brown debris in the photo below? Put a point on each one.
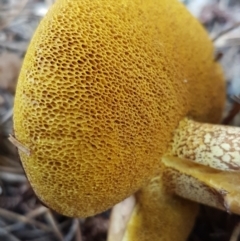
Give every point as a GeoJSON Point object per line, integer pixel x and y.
{"type": "Point", "coordinates": [10, 65]}
{"type": "Point", "coordinates": [95, 228]}
{"type": "Point", "coordinates": [213, 11]}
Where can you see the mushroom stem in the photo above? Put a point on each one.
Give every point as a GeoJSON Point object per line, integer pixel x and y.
{"type": "Point", "coordinates": [202, 184]}
{"type": "Point", "coordinates": [216, 146]}
{"type": "Point", "coordinates": [202, 164]}
{"type": "Point", "coordinates": [158, 216]}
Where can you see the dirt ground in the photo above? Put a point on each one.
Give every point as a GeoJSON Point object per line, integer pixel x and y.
{"type": "Point", "coordinates": [22, 217]}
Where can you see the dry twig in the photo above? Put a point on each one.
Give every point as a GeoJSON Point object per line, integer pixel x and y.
{"type": "Point", "coordinates": [20, 218]}
{"type": "Point", "coordinates": [54, 225]}
{"type": "Point", "coordinates": [236, 233]}
{"type": "Point", "coordinates": [236, 25]}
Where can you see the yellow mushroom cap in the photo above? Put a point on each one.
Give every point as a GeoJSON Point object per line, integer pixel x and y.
{"type": "Point", "coordinates": [103, 85]}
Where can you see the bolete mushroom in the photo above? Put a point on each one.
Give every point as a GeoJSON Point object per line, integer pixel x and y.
{"type": "Point", "coordinates": [105, 97]}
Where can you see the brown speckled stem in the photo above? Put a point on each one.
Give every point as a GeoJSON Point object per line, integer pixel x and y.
{"type": "Point", "coordinates": [216, 146]}
{"type": "Point", "coordinates": [202, 184]}
{"type": "Point", "coordinates": [203, 164]}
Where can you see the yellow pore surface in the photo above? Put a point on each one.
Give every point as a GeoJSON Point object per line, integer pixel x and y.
{"type": "Point", "coordinates": [103, 85]}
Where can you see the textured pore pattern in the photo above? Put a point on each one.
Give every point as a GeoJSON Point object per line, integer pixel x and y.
{"type": "Point", "coordinates": [103, 85]}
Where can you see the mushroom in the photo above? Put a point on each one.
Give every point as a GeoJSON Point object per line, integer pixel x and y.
{"type": "Point", "coordinates": [105, 97]}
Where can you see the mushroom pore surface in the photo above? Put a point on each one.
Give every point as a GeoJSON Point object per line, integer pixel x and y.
{"type": "Point", "coordinates": [103, 85]}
